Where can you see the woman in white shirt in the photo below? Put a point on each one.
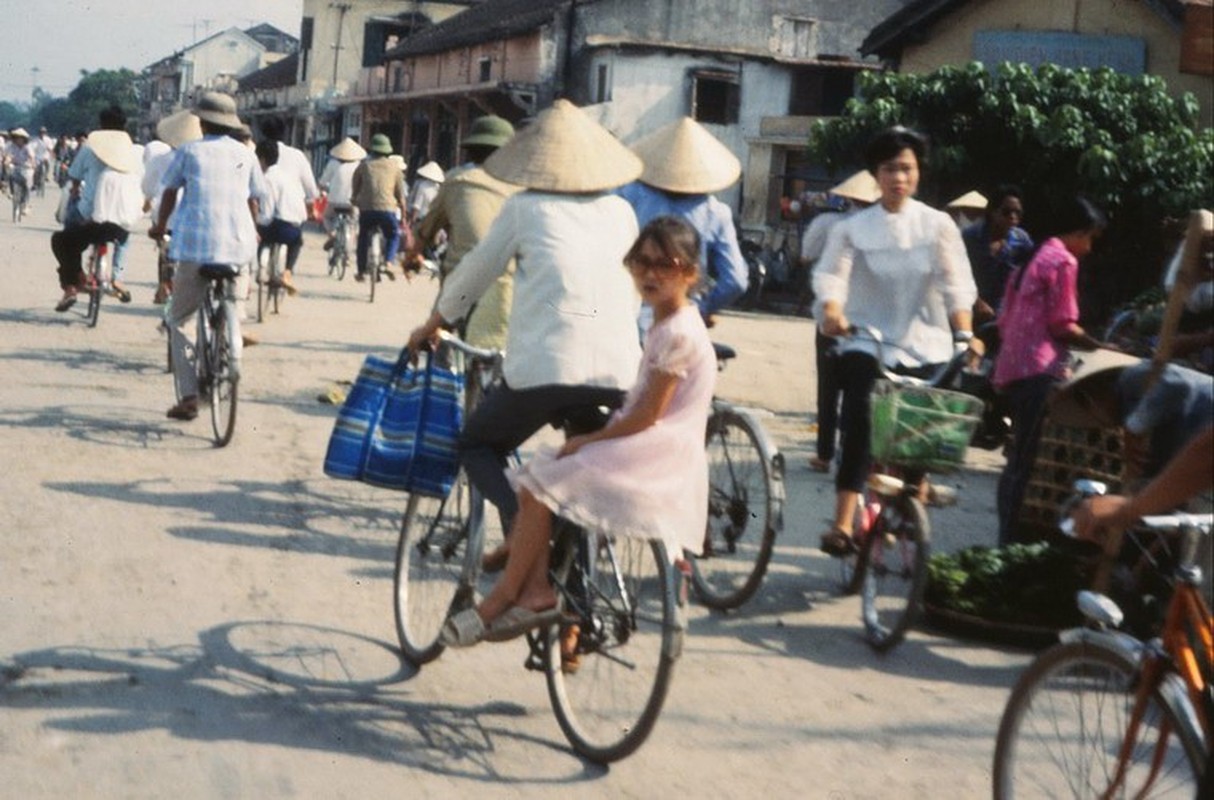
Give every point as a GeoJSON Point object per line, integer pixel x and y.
{"type": "Point", "coordinates": [572, 340]}
{"type": "Point", "coordinates": [899, 267]}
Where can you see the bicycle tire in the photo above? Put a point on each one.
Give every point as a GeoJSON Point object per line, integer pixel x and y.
{"type": "Point", "coordinates": [432, 557]}
{"type": "Point", "coordinates": [224, 383]}
{"type": "Point", "coordinates": [98, 270]}
{"type": "Point", "coordinates": [262, 292]}
{"type": "Point", "coordinates": [629, 635]}
{"type": "Point", "coordinates": [893, 571]}
{"type": "Point", "coordinates": [376, 255]}
{"type": "Point", "coordinates": [1064, 724]}
{"type": "Point", "coordinates": [741, 531]}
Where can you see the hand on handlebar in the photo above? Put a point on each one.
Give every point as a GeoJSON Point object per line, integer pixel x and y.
{"type": "Point", "coordinates": [1097, 514]}
{"type": "Point", "coordinates": [835, 325]}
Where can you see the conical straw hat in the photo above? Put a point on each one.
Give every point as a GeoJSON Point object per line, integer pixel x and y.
{"type": "Point", "coordinates": [114, 148]}
{"type": "Point", "coordinates": [563, 150]}
{"type": "Point", "coordinates": [348, 150]}
{"type": "Point", "coordinates": [432, 171]}
{"type": "Point", "coordinates": [861, 187]}
{"type": "Point", "coordinates": [684, 157]}
{"type": "Point", "coordinates": [969, 200]}
{"type": "Point", "coordinates": [177, 129]}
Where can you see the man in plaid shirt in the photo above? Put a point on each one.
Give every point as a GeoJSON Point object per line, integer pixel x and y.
{"type": "Point", "coordinates": [222, 186]}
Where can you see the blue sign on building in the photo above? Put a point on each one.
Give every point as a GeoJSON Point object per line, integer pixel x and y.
{"type": "Point", "coordinates": [1126, 54]}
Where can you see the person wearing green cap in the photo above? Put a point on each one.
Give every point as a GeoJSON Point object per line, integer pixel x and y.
{"type": "Point", "coordinates": [466, 206]}
{"type": "Point", "coordinates": [379, 196]}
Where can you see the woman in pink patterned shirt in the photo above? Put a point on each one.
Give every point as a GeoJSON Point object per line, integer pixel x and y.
{"type": "Point", "coordinates": [1038, 321]}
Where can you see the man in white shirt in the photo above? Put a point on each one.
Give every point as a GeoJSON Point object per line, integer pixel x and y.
{"type": "Point", "coordinates": [295, 166]}
{"type": "Point", "coordinates": [283, 215]}
{"type": "Point", "coordinates": [337, 182]}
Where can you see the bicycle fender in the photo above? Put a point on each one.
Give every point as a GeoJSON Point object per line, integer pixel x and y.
{"type": "Point", "coordinates": [1121, 643]}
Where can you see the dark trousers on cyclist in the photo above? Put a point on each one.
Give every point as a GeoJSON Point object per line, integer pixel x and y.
{"type": "Point", "coordinates": [282, 232]}
{"type": "Point", "coordinates": [858, 373]}
{"type": "Point", "coordinates": [69, 245]}
{"type": "Point", "coordinates": [1026, 400]}
{"type": "Point", "coordinates": [189, 288]}
{"type": "Point", "coordinates": [388, 224]}
{"type": "Point", "coordinates": [505, 418]}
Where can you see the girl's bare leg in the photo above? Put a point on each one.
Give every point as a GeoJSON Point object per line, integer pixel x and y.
{"type": "Point", "coordinates": [846, 503]}
{"type": "Point", "coordinates": [524, 581]}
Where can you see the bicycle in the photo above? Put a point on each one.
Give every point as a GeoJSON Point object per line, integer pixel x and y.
{"type": "Point", "coordinates": [1105, 714]}
{"type": "Point", "coordinates": [216, 348]}
{"type": "Point", "coordinates": [19, 190]}
{"type": "Point", "coordinates": [745, 504]}
{"type": "Point", "coordinates": [97, 280]}
{"type": "Point", "coordinates": [339, 255]}
{"type": "Point", "coordinates": [608, 663]}
{"type": "Point", "coordinates": [375, 260]}
{"type": "Point", "coordinates": [271, 260]}
{"type": "Point", "coordinates": [918, 427]}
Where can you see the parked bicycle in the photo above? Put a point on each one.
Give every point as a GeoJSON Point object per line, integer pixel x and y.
{"type": "Point", "coordinates": [745, 504]}
{"type": "Point", "coordinates": [917, 427]}
{"type": "Point", "coordinates": [608, 663]}
{"type": "Point", "coordinates": [1105, 714]}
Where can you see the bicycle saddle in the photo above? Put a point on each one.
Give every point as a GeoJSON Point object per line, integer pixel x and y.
{"type": "Point", "coordinates": [724, 352]}
{"type": "Point", "coordinates": [219, 271]}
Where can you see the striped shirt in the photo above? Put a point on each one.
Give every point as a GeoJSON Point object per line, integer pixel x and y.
{"type": "Point", "coordinates": [212, 224]}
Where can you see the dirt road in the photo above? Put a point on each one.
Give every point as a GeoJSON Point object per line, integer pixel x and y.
{"type": "Point", "coordinates": [185, 622]}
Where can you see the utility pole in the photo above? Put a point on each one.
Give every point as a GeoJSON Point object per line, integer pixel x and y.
{"type": "Point", "coordinates": [34, 80]}
{"type": "Point", "coordinates": [342, 8]}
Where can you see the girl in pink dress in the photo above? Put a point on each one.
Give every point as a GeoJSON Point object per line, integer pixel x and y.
{"type": "Point", "coordinates": [1038, 320]}
{"type": "Point", "coordinates": [643, 475]}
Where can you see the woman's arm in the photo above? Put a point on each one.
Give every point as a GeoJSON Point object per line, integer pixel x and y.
{"type": "Point", "coordinates": [830, 279]}
{"type": "Point", "coordinates": [647, 410]}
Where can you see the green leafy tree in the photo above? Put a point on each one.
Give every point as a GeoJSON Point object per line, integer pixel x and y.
{"type": "Point", "coordinates": [11, 115]}
{"type": "Point", "coordinates": [1120, 140]}
{"type": "Point", "coordinates": [95, 91]}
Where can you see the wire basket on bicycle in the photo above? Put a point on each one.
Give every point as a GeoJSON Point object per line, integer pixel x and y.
{"type": "Point", "coordinates": [922, 428]}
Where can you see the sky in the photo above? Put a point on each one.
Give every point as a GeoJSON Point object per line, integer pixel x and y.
{"type": "Point", "coordinates": [62, 37]}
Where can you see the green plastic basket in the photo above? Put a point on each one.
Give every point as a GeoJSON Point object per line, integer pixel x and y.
{"type": "Point", "coordinates": [922, 428]}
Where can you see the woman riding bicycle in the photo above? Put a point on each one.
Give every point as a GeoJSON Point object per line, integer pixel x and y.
{"type": "Point", "coordinates": [572, 340]}
{"type": "Point", "coordinates": [900, 268]}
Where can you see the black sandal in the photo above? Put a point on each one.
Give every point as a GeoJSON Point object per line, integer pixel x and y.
{"type": "Point", "coordinates": [838, 543]}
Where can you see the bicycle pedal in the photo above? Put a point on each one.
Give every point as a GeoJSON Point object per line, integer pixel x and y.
{"type": "Point", "coordinates": [536, 659]}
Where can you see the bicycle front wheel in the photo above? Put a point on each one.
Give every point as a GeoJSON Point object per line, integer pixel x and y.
{"type": "Point", "coordinates": [741, 526]}
{"type": "Point", "coordinates": [96, 282]}
{"type": "Point", "coordinates": [608, 672]}
{"type": "Point", "coordinates": [430, 561]}
{"type": "Point", "coordinates": [1064, 725]}
{"type": "Point", "coordinates": [892, 571]}
{"type": "Point", "coordinates": [224, 379]}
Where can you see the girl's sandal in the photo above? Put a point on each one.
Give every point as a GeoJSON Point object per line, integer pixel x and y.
{"type": "Point", "coordinates": [819, 464]}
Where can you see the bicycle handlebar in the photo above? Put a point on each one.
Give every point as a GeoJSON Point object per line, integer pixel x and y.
{"type": "Point", "coordinates": [479, 353]}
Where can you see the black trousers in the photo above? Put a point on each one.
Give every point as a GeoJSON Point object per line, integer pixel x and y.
{"type": "Point", "coordinates": [828, 394]}
{"type": "Point", "coordinates": [69, 244]}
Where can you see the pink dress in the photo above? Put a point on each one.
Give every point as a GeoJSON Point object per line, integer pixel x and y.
{"type": "Point", "coordinates": [652, 484]}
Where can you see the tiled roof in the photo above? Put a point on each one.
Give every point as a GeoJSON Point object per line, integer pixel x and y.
{"type": "Point", "coordinates": [489, 21]}
{"type": "Point", "coordinates": [276, 76]}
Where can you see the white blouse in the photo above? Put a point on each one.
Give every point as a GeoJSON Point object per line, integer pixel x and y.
{"type": "Point", "coordinates": [573, 317]}
{"type": "Point", "coordinates": [901, 273]}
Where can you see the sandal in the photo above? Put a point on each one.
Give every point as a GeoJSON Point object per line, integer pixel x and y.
{"type": "Point", "coordinates": [122, 294]}
{"type": "Point", "coordinates": [67, 302]}
{"type": "Point", "coordinates": [819, 464]}
{"type": "Point", "coordinates": [838, 543]}
{"type": "Point", "coordinates": [186, 410]}
{"type": "Point", "coordinates": [462, 629]}
{"type": "Point", "coordinates": [516, 620]}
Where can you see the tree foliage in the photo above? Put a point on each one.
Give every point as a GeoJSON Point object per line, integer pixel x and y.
{"type": "Point", "coordinates": [79, 110]}
{"type": "Point", "coordinates": [1120, 140]}
{"type": "Point", "coordinates": [11, 115]}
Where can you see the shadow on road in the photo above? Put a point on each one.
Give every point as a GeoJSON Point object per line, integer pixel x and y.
{"type": "Point", "coordinates": [319, 517]}
{"type": "Point", "coordinates": [100, 426]}
{"type": "Point", "coordinates": [284, 684]}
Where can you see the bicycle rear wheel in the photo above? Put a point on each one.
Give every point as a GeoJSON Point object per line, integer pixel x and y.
{"type": "Point", "coordinates": [224, 378]}
{"type": "Point", "coordinates": [96, 278]}
{"type": "Point", "coordinates": [609, 685]}
{"type": "Point", "coordinates": [893, 569]}
{"type": "Point", "coordinates": [1064, 725]}
{"type": "Point", "coordinates": [432, 554]}
{"type": "Point", "coordinates": [373, 262]}
{"type": "Point", "coordinates": [741, 526]}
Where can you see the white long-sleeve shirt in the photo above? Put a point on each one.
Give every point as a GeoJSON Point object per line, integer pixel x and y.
{"type": "Point", "coordinates": [338, 181]}
{"type": "Point", "coordinates": [573, 316]}
{"type": "Point", "coordinates": [901, 273]}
